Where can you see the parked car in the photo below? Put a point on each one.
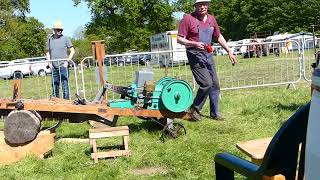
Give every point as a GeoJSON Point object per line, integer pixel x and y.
{"type": "Point", "coordinates": [15, 69]}
{"type": "Point", "coordinates": [118, 61]}
{"type": "Point", "coordinates": [39, 66]}
{"type": "Point", "coordinates": [138, 59]}
{"type": "Point", "coordinates": [127, 59]}
{"type": "Point", "coordinates": [4, 69]}
{"type": "Point", "coordinates": [132, 59]}
{"type": "Point", "coordinates": [145, 59]}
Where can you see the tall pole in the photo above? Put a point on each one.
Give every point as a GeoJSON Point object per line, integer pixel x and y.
{"type": "Point", "coordinates": [314, 44]}
{"type": "Point", "coordinates": [312, 156]}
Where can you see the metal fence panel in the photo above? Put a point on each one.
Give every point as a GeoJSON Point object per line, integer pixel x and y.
{"type": "Point", "coordinates": [36, 78]}
{"type": "Point", "coordinates": [257, 67]}
{"type": "Point", "coordinates": [259, 64]}
{"type": "Point", "coordinates": [309, 57]}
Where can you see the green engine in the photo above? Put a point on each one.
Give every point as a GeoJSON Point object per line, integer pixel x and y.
{"type": "Point", "coordinates": [167, 94]}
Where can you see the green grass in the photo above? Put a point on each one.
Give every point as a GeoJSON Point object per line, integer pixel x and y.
{"type": "Point", "coordinates": [250, 114]}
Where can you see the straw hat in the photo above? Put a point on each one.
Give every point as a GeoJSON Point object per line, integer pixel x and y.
{"type": "Point", "coordinates": [57, 25]}
{"type": "Point", "coordinates": [197, 1]}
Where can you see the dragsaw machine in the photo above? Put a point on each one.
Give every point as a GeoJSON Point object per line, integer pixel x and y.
{"type": "Point", "coordinates": [159, 101]}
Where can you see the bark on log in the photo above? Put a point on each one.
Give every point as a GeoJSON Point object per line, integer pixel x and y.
{"type": "Point", "coordinates": [21, 126]}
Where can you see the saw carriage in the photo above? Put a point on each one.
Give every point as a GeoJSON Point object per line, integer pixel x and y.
{"type": "Point", "coordinates": [160, 101]}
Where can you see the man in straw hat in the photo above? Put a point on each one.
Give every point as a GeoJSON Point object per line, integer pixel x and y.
{"type": "Point", "coordinates": [196, 31]}
{"type": "Point", "coordinates": [57, 48]}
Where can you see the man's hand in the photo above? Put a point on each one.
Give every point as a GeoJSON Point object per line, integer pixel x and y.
{"type": "Point", "coordinates": [49, 66]}
{"type": "Point", "coordinates": [65, 64]}
{"type": "Point", "coordinates": [232, 58]}
{"type": "Point", "coordinates": [199, 45]}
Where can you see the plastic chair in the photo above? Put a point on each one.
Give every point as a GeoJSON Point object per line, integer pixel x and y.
{"type": "Point", "coordinates": [281, 157]}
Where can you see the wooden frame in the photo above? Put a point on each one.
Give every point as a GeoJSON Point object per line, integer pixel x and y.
{"type": "Point", "coordinates": [122, 131]}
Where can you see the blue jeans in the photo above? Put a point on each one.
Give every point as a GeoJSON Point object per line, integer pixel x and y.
{"type": "Point", "coordinates": [60, 74]}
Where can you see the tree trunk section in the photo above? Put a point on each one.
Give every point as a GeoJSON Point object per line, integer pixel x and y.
{"type": "Point", "coordinates": [21, 126]}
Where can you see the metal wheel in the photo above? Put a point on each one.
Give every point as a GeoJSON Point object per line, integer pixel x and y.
{"type": "Point", "coordinates": [121, 63]}
{"type": "Point", "coordinates": [41, 73]}
{"type": "Point", "coordinates": [17, 75]}
{"type": "Point", "coordinates": [173, 130]}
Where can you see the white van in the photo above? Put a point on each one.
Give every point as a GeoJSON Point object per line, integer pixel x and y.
{"type": "Point", "coordinates": [15, 69]}
{"type": "Point", "coordinates": [167, 41]}
{"type": "Point", "coordinates": [39, 66]}
{"type": "Point", "coordinates": [24, 67]}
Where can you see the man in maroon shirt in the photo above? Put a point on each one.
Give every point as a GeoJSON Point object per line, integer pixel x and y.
{"type": "Point", "coordinates": [196, 31]}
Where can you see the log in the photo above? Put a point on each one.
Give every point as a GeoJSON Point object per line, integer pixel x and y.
{"type": "Point", "coordinates": [21, 126]}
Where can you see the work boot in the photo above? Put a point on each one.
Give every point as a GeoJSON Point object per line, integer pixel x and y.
{"type": "Point", "coordinates": [194, 114]}
{"type": "Point", "coordinates": [217, 118]}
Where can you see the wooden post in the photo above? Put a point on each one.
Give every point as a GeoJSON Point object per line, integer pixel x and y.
{"type": "Point", "coordinates": [98, 51]}
{"type": "Point", "coordinates": [16, 88]}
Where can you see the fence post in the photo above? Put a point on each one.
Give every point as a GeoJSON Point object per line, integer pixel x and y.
{"type": "Point", "coordinates": [16, 89]}
{"type": "Point", "coordinates": [98, 53]}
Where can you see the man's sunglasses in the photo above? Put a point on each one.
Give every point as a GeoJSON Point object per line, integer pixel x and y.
{"type": "Point", "coordinates": [59, 30]}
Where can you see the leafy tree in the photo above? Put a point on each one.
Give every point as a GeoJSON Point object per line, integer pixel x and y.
{"type": "Point", "coordinates": [128, 24]}
{"type": "Point", "coordinates": [83, 47]}
{"type": "Point", "coordinates": [20, 37]}
{"type": "Point", "coordinates": [239, 18]}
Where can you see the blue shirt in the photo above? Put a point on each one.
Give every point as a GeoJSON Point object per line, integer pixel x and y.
{"type": "Point", "coordinates": [58, 49]}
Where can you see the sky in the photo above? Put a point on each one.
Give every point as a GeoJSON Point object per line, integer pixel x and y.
{"type": "Point", "coordinates": [48, 11]}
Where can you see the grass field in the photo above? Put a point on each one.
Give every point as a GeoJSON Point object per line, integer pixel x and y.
{"type": "Point", "coordinates": [250, 113]}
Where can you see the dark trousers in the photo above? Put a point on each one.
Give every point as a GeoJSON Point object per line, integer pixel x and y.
{"type": "Point", "coordinates": [60, 74]}
{"type": "Point", "coordinates": [204, 72]}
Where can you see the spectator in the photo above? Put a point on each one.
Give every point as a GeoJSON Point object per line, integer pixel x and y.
{"type": "Point", "coordinates": [243, 51]}
{"type": "Point", "coordinates": [265, 49]}
{"type": "Point", "coordinates": [276, 46]}
{"type": "Point", "coordinates": [252, 49]}
{"type": "Point", "coordinates": [57, 47]}
{"type": "Point", "coordinates": [288, 46]}
{"type": "Point", "coordinates": [196, 31]}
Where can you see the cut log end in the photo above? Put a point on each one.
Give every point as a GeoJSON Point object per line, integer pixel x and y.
{"type": "Point", "coordinates": [21, 126]}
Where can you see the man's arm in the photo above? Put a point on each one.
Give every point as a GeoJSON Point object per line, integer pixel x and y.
{"type": "Point", "coordinates": [72, 51]}
{"type": "Point", "coordinates": [48, 55]}
{"type": "Point", "coordinates": [187, 43]}
{"type": "Point", "coordinates": [48, 58]}
{"type": "Point", "coordinates": [225, 46]}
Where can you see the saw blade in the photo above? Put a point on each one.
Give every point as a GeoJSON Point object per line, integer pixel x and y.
{"type": "Point", "coordinates": [117, 89]}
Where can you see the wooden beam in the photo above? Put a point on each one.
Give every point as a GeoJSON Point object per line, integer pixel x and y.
{"type": "Point", "coordinates": [109, 154]}
{"type": "Point", "coordinates": [101, 110]}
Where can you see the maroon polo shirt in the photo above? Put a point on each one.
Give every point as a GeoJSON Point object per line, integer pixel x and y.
{"type": "Point", "coordinates": [188, 27]}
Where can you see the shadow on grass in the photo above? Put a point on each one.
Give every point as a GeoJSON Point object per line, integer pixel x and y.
{"type": "Point", "coordinates": [147, 125]}
{"type": "Point", "coordinates": [287, 107]}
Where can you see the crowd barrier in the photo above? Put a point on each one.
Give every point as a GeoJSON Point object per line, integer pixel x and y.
{"type": "Point", "coordinates": [259, 65]}
{"type": "Point", "coordinates": [35, 78]}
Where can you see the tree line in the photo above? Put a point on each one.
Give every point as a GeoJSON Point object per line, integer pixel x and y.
{"type": "Point", "coordinates": [128, 24]}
